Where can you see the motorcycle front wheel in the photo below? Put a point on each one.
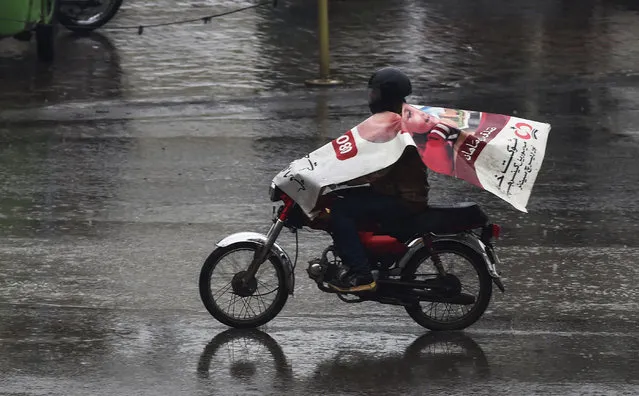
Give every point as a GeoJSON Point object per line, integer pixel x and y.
{"type": "Point", "coordinates": [242, 304]}
{"type": "Point", "coordinates": [464, 268]}
{"type": "Point", "coordinates": [84, 16]}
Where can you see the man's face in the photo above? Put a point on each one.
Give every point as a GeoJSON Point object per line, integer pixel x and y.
{"type": "Point", "coordinates": [416, 121]}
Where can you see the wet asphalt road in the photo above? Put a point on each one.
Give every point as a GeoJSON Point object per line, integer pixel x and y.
{"type": "Point", "coordinates": [126, 160]}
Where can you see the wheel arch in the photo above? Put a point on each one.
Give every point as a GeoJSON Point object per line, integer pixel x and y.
{"type": "Point", "coordinates": [465, 239]}
{"type": "Point", "coordinates": [276, 251]}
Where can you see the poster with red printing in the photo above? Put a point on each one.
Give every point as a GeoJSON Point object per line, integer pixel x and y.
{"type": "Point", "coordinates": [499, 153]}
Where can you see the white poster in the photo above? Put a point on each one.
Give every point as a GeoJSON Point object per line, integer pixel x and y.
{"type": "Point", "coordinates": [498, 153]}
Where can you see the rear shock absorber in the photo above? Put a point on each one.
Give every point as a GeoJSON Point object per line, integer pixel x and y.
{"type": "Point", "coordinates": [437, 261]}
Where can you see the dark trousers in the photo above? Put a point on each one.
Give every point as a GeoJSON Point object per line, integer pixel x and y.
{"type": "Point", "coordinates": [362, 205]}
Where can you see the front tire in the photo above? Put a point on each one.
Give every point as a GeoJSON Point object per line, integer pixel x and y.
{"type": "Point", "coordinates": [235, 309]}
{"type": "Point", "coordinates": [457, 316]}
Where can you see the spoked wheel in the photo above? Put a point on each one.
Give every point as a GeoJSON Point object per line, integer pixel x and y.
{"type": "Point", "coordinates": [468, 287]}
{"type": "Point", "coordinates": [235, 302]}
{"type": "Point", "coordinates": [87, 15]}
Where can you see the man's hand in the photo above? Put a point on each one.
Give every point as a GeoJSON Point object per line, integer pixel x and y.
{"type": "Point", "coordinates": [444, 132]}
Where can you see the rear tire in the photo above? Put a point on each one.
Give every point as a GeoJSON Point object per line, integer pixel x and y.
{"type": "Point", "coordinates": [45, 32]}
{"type": "Point", "coordinates": [482, 297]}
{"type": "Point", "coordinates": [45, 42]}
{"type": "Point", "coordinates": [211, 299]}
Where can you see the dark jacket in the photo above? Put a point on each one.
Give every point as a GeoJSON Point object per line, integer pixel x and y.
{"type": "Point", "coordinates": [406, 179]}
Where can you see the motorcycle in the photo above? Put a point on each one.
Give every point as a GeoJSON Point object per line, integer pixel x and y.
{"type": "Point", "coordinates": [236, 358]}
{"type": "Point", "coordinates": [440, 265]}
{"type": "Point", "coordinates": [442, 275]}
{"type": "Point", "coordinates": [84, 16]}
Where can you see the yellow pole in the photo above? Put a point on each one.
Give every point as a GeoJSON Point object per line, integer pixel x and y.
{"type": "Point", "coordinates": [323, 33]}
{"type": "Point", "coordinates": [323, 38]}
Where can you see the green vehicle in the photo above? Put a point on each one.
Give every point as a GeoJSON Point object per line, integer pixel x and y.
{"type": "Point", "coordinates": [21, 18]}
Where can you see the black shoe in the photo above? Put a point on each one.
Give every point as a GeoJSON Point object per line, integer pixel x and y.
{"type": "Point", "coordinates": [352, 283]}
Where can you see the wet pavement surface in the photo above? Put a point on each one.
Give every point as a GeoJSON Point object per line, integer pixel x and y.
{"type": "Point", "coordinates": [126, 160]}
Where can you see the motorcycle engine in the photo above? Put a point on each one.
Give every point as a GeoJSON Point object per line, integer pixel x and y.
{"type": "Point", "coordinates": [315, 269]}
{"type": "Point", "coordinates": [325, 268]}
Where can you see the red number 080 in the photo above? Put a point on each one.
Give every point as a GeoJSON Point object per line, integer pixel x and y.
{"type": "Point", "coordinates": [344, 144]}
{"type": "Point", "coordinates": [345, 147]}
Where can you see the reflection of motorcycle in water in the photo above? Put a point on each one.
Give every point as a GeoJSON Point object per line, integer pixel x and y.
{"type": "Point", "coordinates": [431, 357]}
{"type": "Point", "coordinates": [87, 15]}
{"type": "Point", "coordinates": [442, 274]}
{"type": "Point", "coordinates": [448, 354]}
{"type": "Point", "coordinates": [255, 358]}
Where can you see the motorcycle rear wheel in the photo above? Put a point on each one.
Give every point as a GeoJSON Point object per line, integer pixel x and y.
{"type": "Point", "coordinates": [468, 261]}
{"type": "Point", "coordinates": [232, 305]}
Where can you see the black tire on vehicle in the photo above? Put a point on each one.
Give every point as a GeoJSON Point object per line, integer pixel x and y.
{"type": "Point", "coordinates": [45, 42]}
{"type": "Point", "coordinates": [72, 24]}
{"type": "Point", "coordinates": [485, 286]}
{"type": "Point", "coordinates": [45, 33]}
{"type": "Point", "coordinates": [207, 271]}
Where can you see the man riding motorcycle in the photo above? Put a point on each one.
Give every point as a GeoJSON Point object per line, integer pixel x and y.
{"type": "Point", "coordinates": [368, 188]}
{"type": "Point", "coordinates": [391, 194]}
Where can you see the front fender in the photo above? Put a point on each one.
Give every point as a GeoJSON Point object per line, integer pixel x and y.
{"type": "Point", "coordinates": [276, 251]}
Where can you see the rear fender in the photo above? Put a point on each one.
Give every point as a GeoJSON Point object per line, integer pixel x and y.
{"type": "Point", "coordinates": [276, 251]}
{"type": "Point", "coordinates": [466, 239]}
